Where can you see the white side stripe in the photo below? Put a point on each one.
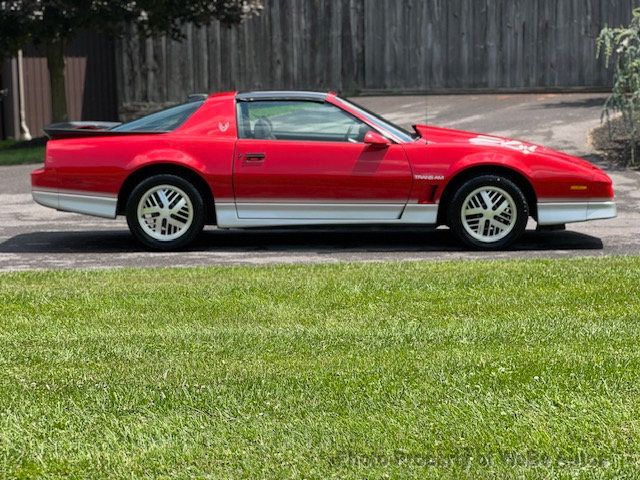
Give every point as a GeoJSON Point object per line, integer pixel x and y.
{"type": "Point", "coordinates": [332, 214]}
{"type": "Point", "coordinates": [320, 211]}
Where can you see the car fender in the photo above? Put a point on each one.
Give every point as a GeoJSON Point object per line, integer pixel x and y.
{"type": "Point", "coordinates": [165, 156]}
{"type": "Point", "coordinates": [484, 159]}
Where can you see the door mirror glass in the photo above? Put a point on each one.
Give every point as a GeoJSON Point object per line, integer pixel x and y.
{"type": "Point", "coordinates": [375, 139]}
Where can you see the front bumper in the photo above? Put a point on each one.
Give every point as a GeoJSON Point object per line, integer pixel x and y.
{"type": "Point", "coordinates": [557, 213]}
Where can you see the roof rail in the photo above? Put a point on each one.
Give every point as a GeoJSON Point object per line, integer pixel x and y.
{"type": "Point", "coordinates": [197, 97]}
{"type": "Point", "coordinates": [282, 95]}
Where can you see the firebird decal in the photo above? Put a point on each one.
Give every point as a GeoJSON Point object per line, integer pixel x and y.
{"type": "Point", "coordinates": [500, 142]}
{"type": "Point", "coordinates": [223, 126]}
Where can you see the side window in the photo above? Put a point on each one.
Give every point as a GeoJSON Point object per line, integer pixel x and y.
{"type": "Point", "coordinates": [299, 120]}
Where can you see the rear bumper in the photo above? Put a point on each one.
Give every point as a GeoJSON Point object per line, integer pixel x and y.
{"type": "Point", "coordinates": [45, 191]}
{"type": "Point", "coordinates": [86, 203]}
{"type": "Point", "coordinates": [556, 213]}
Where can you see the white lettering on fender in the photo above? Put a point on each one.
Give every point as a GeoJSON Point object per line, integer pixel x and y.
{"type": "Point", "coordinates": [429, 177]}
{"type": "Point", "coordinates": [505, 143]}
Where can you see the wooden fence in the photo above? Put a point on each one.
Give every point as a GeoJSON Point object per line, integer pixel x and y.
{"type": "Point", "coordinates": [379, 45]}
{"type": "Point", "coordinates": [90, 86]}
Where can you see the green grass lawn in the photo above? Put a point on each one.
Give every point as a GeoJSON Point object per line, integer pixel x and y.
{"type": "Point", "coordinates": [19, 153]}
{"type": "Point", "coordinates": [514, 369]}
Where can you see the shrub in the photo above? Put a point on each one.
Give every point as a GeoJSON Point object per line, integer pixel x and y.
{"type": "Point", "coordinates": [622, 45]}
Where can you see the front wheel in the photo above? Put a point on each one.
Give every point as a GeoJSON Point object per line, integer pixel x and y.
{"type": "Point", "coordinates": [165, 212]}
{"type": "Point", "coordinates": [489, 212]}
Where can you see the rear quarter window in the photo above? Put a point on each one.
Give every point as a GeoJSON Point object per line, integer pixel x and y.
{"type": "Point", "coordinates": [162, 121]}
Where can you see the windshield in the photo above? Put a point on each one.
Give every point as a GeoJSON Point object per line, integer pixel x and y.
{"type": "Point", "coordinates": [162, 121]}
{"type": "Point", "coordinates": [400, 133]}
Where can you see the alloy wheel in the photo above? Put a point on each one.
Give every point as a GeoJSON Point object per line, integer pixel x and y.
{"type": "Point", "coordinates": [489, 214]}
{"type": "Point", "coordinates": [165, 212]}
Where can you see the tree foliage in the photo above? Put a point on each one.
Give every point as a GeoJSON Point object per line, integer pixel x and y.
{"type": "Point", "coordinates": [40, 21]}
{"type": "Point", "coordinates": [14, 31]}
{"type": "Point", "coordinates": [622, 46]}
{"type": "Point", "coordinates": [51, 24]}
{"type": "Point", "coordinates": [168, 16]}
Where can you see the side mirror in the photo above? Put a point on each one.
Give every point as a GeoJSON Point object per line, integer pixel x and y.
{"type": "Point", "coordinates": [376, 140]}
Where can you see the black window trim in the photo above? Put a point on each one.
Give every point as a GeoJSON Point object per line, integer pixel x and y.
{"type": "Point", "coordinates": [283, 95]}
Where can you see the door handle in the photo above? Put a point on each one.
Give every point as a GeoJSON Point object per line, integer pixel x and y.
{"type": "Point", "coordinates": [254, 157]}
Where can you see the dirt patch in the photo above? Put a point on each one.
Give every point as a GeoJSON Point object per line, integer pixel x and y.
{"type": "Point", "coordinates": [612, 139]}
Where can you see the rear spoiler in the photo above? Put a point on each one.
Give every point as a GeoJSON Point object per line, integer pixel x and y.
{"type": "Point", "coordinates": [80, 129]}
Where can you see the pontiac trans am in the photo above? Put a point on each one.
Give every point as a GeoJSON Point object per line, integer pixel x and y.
{"type": "Point", "coordinates": [270, 159]}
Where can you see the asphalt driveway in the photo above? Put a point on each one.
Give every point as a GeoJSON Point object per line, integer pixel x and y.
{"type": "Point", "coordinates": [34, 237]}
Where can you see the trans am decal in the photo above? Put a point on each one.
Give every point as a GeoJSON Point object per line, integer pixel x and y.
{"type": "Point", "coordinates": [429, 177]}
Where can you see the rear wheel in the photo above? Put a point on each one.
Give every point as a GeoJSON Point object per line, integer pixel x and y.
{"type": "Point", "coordinates": [165, 212]}
{"type": "Point", "coordinates": [489, 212]}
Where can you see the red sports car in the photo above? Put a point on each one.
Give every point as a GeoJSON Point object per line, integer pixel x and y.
{"type": "Point", "coordinates": [269, 159]}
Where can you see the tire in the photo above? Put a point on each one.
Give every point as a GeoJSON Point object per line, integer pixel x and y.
{"type": "Point", "coordinates": [174, 216]}
{"type": "Point", "coordinates": [488, 212]}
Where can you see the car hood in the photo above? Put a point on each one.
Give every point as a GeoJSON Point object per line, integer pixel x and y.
{"type": "Point", "coordinates": [433, 134]}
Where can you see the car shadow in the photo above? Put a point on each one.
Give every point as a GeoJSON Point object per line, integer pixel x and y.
{"type": "Point", "coordinates": [592, 102]}
{"type": "Point", "coordinates": [292, 240]}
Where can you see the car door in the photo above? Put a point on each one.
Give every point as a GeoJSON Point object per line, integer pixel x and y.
{"type": "Point", "coordinates": [306, 160]}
